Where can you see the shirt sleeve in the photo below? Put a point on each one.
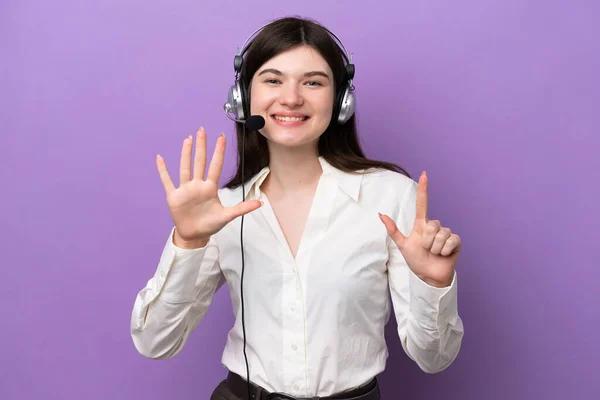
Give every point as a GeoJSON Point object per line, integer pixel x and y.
{"type": "Point", "coordinates": [429, 326]}
{"type": "Point", "coordinates": [175, 299]}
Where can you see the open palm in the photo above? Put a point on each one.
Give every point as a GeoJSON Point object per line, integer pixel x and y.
{"type": "Point", "coordinates": [195, 206]}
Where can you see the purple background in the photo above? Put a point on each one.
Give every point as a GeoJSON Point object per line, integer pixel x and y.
{"type": "Point", "coordinates": [497, 100]}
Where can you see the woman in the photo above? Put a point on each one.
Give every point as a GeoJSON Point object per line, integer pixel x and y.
{"type": "Point", "coordinates": [321, 265]}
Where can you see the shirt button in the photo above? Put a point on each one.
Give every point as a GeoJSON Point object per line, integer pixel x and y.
{"type": "Point", "coordinates": [296, 387]}
{"type": "Point", "coordinates": [294, 347]}
{"type": "Point", "coordinates": [292, 308]}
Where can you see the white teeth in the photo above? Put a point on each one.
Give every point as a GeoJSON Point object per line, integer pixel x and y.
{"type": "Point", "coordinates": [289, 119]}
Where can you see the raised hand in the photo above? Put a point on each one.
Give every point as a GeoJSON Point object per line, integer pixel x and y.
{"type": "Point", "coordinates": [431, 250]}
{"type": "Point", "coordinates": [195, 206]}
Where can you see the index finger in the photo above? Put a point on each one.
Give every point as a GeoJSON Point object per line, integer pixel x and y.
{"type": "Point", "coordinates": [422, 200]}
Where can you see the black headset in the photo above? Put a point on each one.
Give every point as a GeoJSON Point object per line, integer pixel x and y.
{"type": "Point", "coordinates": [238, 102]}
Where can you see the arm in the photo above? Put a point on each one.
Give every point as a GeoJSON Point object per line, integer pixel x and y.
{"type": "Point", "coordinates": [429, 326]}
{"type": "Point", "coordinates": [175, 299]}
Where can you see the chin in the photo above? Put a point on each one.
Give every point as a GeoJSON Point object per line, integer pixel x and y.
{"type": "Point", "coordinates": [291, 141]}
{"type": "Point", "coordinates": [289, 137]}
{"type": "Point", "coordinates": [292, 136]}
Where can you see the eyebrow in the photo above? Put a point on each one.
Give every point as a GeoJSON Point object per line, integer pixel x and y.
{"type": "Point", "coordinates": [307, 74]}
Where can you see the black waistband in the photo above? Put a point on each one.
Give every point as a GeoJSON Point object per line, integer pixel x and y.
{"type": "Point", "coordinates": [239, 387]}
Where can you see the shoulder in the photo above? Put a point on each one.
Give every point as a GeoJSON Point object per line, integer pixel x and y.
{"type": "Point", "coordinates": [388, 182]}
{"type": "Point", "coordinates": [387, 191]}
{"type": "Point", "coordinates": [392, 193]}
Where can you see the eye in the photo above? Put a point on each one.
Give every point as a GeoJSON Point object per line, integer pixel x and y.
{"type": "Point", "coordinates": [272, 81]}
{"type": "Point", "coordinates": [314, 83]}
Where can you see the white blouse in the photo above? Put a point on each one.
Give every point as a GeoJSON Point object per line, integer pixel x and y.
{"type": "Point", "coordinates": [314, 324]}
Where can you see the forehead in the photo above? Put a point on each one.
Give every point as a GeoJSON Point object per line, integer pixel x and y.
{"type": "Point", "coordinates": [298, 59]}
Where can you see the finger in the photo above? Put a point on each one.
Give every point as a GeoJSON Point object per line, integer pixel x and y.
{"type": "Point", "coordinates": [452, 245]}
{"type": "Point", "coordinates": [393, 230]}
{"type": "Point", "coordinates": [422, 201]}
{"type": "Point", "coordinates": [242, 208]}
{"type": "Point", "coordinates": [200, 157]}
{"type": "Point", "coordinates": [186, 159]}
{"type": "Point", "coordinates": [429, 232]}
{"type": "Point", "coordinates": [164, 174]}
{"type": "Point", "coordinates": [440, 240]}
{"type": "Point", "coordinates": [216, 164]}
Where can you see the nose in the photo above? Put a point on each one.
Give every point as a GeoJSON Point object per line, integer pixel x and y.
{"type": "Point", "coordinates": [290, 96]}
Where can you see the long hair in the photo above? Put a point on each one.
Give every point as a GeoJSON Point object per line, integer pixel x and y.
{"type": "Point", "coordinates": [339, 144]}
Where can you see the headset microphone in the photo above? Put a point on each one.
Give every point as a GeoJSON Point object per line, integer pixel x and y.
{"type": "Point", "coordinates": [255, 122]}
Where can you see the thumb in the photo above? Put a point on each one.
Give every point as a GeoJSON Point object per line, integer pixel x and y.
{"type": "Point", "coordinates": [244, 208]}
{"type": "Point", "coordinates": [393, 230]}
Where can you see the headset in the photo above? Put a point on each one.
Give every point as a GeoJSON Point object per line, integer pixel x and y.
{"type": "Point", "coordinates": [237, 108]}
{"type": "Point", "coordinates": [238, 103]}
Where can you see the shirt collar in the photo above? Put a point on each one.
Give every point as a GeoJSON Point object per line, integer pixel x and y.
{"type": "Point", "coordinates": [252, 186]}
{"type": "Point", "coordinates": [348, 182]}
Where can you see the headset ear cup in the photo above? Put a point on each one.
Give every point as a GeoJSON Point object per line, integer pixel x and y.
{"type": "Point", "coordinates": [234, 101]}
{"type": "Point", "coordinates": [345, 105]}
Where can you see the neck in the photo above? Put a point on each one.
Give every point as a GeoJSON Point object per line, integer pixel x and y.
{"type": "Point", "coordinates": [293, 170]}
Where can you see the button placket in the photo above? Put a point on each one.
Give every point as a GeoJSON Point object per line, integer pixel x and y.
{"type": "Point", "coordinates": [293, 331]}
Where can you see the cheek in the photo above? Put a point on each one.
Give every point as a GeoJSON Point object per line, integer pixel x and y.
{"type": "Point", "coordinates": [327, 101]}
{"type": "Point", "coordinates": [325, 106]}
{"type": "Point", "coordinates": [260, 100]}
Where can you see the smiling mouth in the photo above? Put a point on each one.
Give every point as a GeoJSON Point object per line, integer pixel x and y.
{"type": "Point", "coordinates": [289, 119]}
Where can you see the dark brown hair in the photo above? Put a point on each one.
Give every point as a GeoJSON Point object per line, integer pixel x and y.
{"type": "Point", "coordinates": [339, 144]}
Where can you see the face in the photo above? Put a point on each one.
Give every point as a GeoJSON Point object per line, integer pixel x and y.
{"type": "Point", "coordinates": [294, 93]}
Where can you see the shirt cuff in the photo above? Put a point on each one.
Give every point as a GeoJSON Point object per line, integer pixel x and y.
{"type": "Point", "coordinates": [433, 307]}
{"type": "Point", "coordinates": [178, 271]}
